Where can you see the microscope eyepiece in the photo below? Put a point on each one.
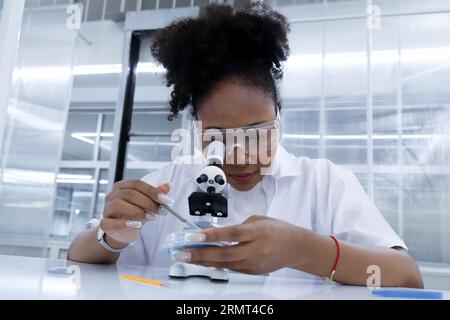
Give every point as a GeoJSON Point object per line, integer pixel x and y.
{"type": "Point", "coordinates": [211, 176]}
{"type": "Point", "coordinates": [203, 178]}
{"type": "Point", "coordinates": [219, 179]}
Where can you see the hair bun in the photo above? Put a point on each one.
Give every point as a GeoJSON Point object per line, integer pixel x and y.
{"type": "Point", "coordinates": [198, 51]}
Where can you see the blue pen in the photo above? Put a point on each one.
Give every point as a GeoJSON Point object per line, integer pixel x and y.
{"type": "Point", "coordinates": [408, 294]}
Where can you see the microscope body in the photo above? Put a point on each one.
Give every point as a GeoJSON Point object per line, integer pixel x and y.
{"type": "Point", "coordinates": [210, 199]}
{"type": "Point", "coordinates": [209, 202]}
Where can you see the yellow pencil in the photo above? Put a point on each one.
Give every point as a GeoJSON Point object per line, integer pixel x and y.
{"type": "Point", "coordinates": [143, 280]}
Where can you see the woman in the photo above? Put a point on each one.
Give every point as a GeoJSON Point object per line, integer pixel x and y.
{"type": "Point", "coordinates": [225, 66]}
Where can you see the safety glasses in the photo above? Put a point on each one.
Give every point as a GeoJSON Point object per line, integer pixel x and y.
{"type": "Point", "coordinates": [255, 141]}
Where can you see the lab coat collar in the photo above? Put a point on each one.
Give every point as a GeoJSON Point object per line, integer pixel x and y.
{"type": "Point", "coordinates": [284, 165]}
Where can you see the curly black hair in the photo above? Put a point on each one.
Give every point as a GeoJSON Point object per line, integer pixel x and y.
{"type": "Point", "coordinates": [247, 45]}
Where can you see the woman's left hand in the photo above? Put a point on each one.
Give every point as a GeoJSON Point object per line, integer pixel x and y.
{"type": "Point", "coordinates": [264, 245]}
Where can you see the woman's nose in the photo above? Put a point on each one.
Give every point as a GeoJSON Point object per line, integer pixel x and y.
{"type": "Point", "coordinates": [238, 155]}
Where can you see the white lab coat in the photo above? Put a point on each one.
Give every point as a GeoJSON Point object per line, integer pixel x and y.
{"type": "Point", "coordinates": [310, 193]}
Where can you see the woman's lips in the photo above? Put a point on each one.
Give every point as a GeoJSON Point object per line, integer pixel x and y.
{"type": "Point", "coordinates": [243, 177]}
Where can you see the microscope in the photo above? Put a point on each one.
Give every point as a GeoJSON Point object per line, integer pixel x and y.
{"type": "Point", "coordinates": [210, 203]}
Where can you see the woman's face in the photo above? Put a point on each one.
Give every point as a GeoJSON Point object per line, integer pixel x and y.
{"type": "Point", "coordinates": [233, 105]}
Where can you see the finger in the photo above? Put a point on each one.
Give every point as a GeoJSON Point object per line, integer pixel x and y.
{"type": "Point", "coordinates": [118, 208]}
{"type": "Point", "coordinates": [109, 224]}
{"type": "Point", "coordinates": [158, 194]}
{"type": "Point", "coordinates": [220, 254]}
{"type": "Point", "coordinates": [237, 233]}
{"type": "Point", "coordinates": [255, 218]}
{"type": "Point", "coordinates": [165, 187]}
{"type": "Point", "coordinates": [240, 266]}
{"type": "Point", "coordinates": [162, 196]}
{"type": "Point", "coordinates": [138, 199]}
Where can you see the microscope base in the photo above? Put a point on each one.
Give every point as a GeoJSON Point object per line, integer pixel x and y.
{"type": "Point", "coordinates": [186, 270]}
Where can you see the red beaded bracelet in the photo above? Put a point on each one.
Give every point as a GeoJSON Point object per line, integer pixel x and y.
{"type": "Point", "coordinates": [333, 271]}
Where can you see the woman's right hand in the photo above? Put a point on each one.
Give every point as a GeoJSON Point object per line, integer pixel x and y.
{"type": "Point", "coordinates": [130, 205]}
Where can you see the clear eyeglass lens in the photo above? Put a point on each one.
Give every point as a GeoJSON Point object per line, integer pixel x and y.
{"type": "Point", "coordinates": [251, 139]}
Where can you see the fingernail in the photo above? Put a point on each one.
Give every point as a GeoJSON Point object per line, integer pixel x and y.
{"type": "Point", "coordinates": [164, 198]}
{"type": "Point", "coordinates": [181, 256]}
{"type": "Point", "coordinates": [195, 237]}
{"type": "Point", "coordinates": [150, 216]}
{"type": "Point", "coordinates": [134, 224]}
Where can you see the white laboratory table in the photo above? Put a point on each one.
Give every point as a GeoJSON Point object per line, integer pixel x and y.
{"type": "Point", "coordinates": [36, 278]}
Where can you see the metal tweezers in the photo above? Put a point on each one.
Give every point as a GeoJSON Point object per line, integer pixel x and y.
{"type": "Point", "coordinates": [179, 217]}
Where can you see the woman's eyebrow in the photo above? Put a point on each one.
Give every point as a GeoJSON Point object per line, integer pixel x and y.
{"type": "Point", "coordinates": [256, 123]}
{"type": "Point", "coordinates": [248, 125]}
